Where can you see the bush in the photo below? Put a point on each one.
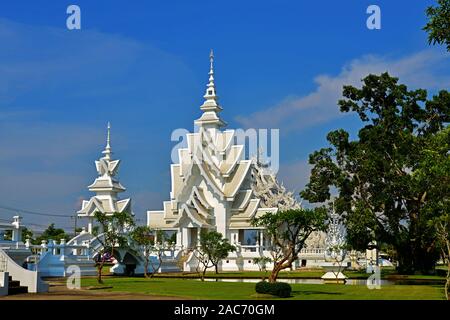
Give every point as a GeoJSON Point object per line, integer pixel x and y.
{"type": "Point", "coordinates": [262, 287]}
{"type": "Point", "coordinates": [280, 289]}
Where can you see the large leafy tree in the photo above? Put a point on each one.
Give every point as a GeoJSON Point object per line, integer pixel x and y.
{"type": "Point", "coordinates": [438, 26]}
{"type": "Point", "coordinates": [433, 171]}
{"type": "Point", "coordinates": [288, 231]}
{"type": "Point", "coordinates": [380, 191]}
{"type": "Point", "coordinates": [111, 233]}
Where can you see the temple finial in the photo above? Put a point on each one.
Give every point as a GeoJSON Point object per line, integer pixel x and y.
{"type": "Point", "coordinates": [211, 60]}
{"type": "Point", "coordinates": [211, 87]}
{"type": "Point", "coordinates": [210, 106]}
{"type": "Point", "coordinates": [108, 139]}
{"type": "Point", "coordinates": [107, 152]}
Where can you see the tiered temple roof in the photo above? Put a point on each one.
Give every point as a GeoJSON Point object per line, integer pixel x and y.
{"type": "Point", "coordinates": [211, 172]}
{"type": "Point", "coordinates": [106, 186]}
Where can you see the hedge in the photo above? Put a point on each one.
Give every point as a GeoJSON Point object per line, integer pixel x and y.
{"type": "Point", "coordinates": [280, 289]}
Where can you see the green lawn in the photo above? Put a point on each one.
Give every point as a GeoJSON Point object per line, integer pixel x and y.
{"type": "Point", "coordinates": [310, 274]}
{"type": "Point", "coordinates": [194, 289]}
{"type": "Point", "coordinates": [386, 273]}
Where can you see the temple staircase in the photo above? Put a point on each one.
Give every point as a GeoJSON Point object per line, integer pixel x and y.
{"type": "Point", "coordinates": [14, 287]}
{"type": "Point", "coordinates": [14, 279]}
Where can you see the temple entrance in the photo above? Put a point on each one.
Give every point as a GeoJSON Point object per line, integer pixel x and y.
{"type": "Point", "coordinates": [193, 237]}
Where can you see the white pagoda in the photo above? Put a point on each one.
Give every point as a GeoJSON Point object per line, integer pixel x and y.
{"type": "Point", "coordinates": [83, 249]}
{"type": "Point", "coordinates": [106, 187]}
{"type": "Point", "coordinates": [212, 188]}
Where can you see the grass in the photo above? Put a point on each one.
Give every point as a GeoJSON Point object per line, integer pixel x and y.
{"type": "Point", "coordinates": [386, 273]}
{"type": "Point", "coordinates": [310, 274]}
{"type": "Point", "coordinates": [194, 289]}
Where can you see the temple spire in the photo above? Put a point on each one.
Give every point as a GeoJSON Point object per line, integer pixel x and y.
{"type": "Point", "coordinates": [211, 71]}
{"type": "Point", "coordinates": [211, 60]}
{"type": "Point", "coordinates": [211, 87]}
{"type": "Point", "coordinates": [107, 152]}
{"type": "Point", "coordinates": [106, 187]}
{"type": "Point", "coordinates": [210, 107]}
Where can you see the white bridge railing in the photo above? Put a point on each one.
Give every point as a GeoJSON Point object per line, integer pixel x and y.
{"type": "Point", "coordinates": [313, 251]}
{"type": "Point", "coordinates": [60, 249]}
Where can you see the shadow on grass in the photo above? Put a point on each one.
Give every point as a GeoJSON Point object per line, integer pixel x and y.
{"type": "Point", "coordinates": [310, 292]}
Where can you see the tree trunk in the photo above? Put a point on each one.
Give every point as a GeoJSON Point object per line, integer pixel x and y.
{"type": "Point", "coordinates": [204, 272]}
{"type": "Point", "coordinates": [157, 268]}
{"type": "Point", "coordinates": [447, 283]}
{"type": "Point", "coordinates": [405, 258]}
{"type": "Point", "coordinates": [217, 268]}
{"type": "Point", "coordinates": [276, 270]}
{"type": "Point", "coordinates": [146, 267]}
{"type": "Point", "coordinates": [280, 265]}
{"type": "Point", "coordinates": [153, 272]}
{"type": "Point", "coordinates": [99, 272]}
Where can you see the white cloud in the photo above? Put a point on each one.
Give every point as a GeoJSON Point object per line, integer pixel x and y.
{"type": "Point", "coordinates": [425, 69]}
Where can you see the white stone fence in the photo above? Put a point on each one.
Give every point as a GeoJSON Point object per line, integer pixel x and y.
{"type": "Point", "coordinates": [62, 248]}
{"type": "Point", "coordinates": [313, 251]}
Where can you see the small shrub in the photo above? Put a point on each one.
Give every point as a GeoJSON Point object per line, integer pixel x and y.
{"type": "Point", "coordinates": [280, 289]}
{"type": "Point", "coordinates": [262, 287]}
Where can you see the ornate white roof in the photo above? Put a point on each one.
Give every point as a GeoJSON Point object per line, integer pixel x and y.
{"type": "Point", "coordinates": [211, 172]}
{"type": "Point", "coordinates": [106, 186]}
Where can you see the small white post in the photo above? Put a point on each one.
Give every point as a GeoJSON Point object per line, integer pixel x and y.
{"type": "Point", "coordinates": [62, 250]}
{"type": "Point", "coordinates": [43, 246]}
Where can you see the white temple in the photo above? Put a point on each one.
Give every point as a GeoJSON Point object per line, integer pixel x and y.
{"type": "Point", "coordinates": [106, 188]}
{"type": "Point", "coordinates": [212, 187]}
{"type": "Point", "coordinates": [82, 250]}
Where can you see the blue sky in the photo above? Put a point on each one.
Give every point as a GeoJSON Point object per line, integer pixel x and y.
{"type": "Point", "coordinates": [142, 65]}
